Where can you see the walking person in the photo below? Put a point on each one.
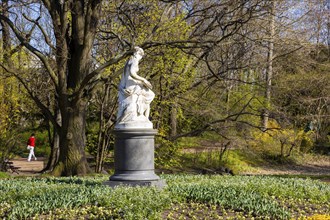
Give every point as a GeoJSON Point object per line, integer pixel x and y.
{"type": "Point", "coordinates": [30, 145]}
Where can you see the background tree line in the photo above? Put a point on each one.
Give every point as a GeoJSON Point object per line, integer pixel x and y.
{"type": "Point", "coordinates": [232, 68]}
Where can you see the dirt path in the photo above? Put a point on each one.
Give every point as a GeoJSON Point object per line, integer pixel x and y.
{"type": "Point", "coordinates": [308, 169]}
{"type": "Point", "coordinates": [26, 168]}
{"type": "Point", "coordinates": [33, 168]}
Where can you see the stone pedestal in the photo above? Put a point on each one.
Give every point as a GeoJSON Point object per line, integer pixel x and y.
{"type": "Point", "coordinates": [134, 158]}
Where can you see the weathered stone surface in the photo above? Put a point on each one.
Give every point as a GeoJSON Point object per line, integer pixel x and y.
{"type": "Point", "coordinates": [134, 96]}
{"type": "Point", "coordinates": [134, 133]}
{"type": "Point", "coordinates": [134, 157]}
{"type": "Point", "coordinates": [156, 183]}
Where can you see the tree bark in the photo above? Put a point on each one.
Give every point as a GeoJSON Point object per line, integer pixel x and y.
{"type": "Point", "coordinates": [5, 33]}
{"type": "Point", "coordinates": [55, 146]}
{"type": "Point", "coordinates": [174, 118]}
{"type": "Point", "coordinates": [74, 42]}
{"type": "Point", "coordinates": [72, 159]}
{"type": "Point", "coordinates": [269, 70]}
{"type": "Point", "coordinates": [102, 129]}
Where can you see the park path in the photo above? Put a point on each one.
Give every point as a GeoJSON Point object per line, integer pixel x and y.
{"type": "Point", "coordinates": [319, 167]}
{"type": "Point", "coordinates": [26, 168]}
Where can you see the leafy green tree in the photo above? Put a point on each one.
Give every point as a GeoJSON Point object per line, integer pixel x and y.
{"type": "Point", "coordinates": [65, 37]}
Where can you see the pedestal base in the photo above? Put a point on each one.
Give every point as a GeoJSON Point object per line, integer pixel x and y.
{"type": "Point", "coordinates": [134, 158]}
{"type": "Point", "coordinates": [134, 175]}
{"type": "Point", "coordinates": [157, 183]}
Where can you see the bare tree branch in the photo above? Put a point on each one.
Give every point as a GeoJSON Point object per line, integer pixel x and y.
{"type": "Point", "coordinates": [44, 34]}
{"type": "Point", "coordinates": [35, 51]}
{"type": "Point", "coordinates": [18, 75]}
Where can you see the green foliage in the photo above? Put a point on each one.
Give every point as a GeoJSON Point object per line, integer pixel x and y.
{"type": "Point", "coordinates": [9, 118]}
{"type": "Point", "coordinates": [166, 154]}
{"type": "Point", "coordinates": [92, 142]}
{"type": "Point", "coordinates": [9, 105]}
{"type": "Point", "coordinates": [259, 196]}
{"type": "Point", "coordinates": [307, 141]}
{"type": "Point", "coordinates": [8, 146]}
{"type": "Point", "coordinates": [42, 144]}
{"type": "Point", "coordinates": [303, 94]}
{"type": "Point", "coordinates": [75, 198]}
{"type": "Point", "coordinates": [58, 197]}
{"type": "Point", "coordinates": [4, 175]}
{"type": "Point", "coordinates": [170, 70]}
{"type": "Point", "coordinates": [238, 161]}
{"type": "Point", "coordinates": [189, 142]}
{"type": "Point", "coordinates": [209, 151]}
{"type": "Point", "coordinates": [13, 122]}
{"type": "Point", "coordinates": [41, 138]}
{"type": "Point", "coordinates": [281, 142]}
{"type": "Point", "coordinates": [214, 159]}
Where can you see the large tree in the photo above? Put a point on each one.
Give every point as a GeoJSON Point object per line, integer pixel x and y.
{"type": "Point", "coordinates": [63, 36]}
{"type": "Point", "coordinates": [74, 26]}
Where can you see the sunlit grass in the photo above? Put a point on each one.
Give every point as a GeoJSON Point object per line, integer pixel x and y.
{"type": "Point", "coordinates": [186, 196]}
{"type": "Point", "coordinates": [4, 175]}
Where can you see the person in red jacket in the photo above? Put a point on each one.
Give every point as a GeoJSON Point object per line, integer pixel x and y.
{"type": "Point", "coordinates": [30, 145]}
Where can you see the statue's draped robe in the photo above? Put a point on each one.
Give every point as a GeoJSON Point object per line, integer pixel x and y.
{"type": "Point", "coordinates": [133, 97]}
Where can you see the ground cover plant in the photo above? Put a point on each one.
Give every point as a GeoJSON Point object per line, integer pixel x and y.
{"type": "Point", "coordinates": [259, 196]}
{"type": "Point", "coordinates": [185, 197]}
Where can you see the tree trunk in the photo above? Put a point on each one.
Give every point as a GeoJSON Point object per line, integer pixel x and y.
{"type": "Point", "coordinates": [54, 153]}
{"type": "Point", "coordinates": [5, 33]}
{"type": "Point", "coordinates": [269, 71]}
{"type": "Point", "coordinates": [74, 28]}
{"type": "Point", "coordinates": [328, 28]}
{"type": "Point", "coordinates": [101, 153]}
{"type": "Point", "coordinates": [74, 61]}
{"type": "Point", "coordinates": [105, 124]}
{"type": "Point", "coordinates": [101, 135]}
{"type": "Point", "coordinates": [72, 159]}
{"type": "Point", "coordinates": [100, 146]}
{"type": "Point", "coordinates": [174, 116]}
{"type": "Point", "coordinates": [55, 146]}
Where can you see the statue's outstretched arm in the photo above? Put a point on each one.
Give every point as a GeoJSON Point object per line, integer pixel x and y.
{"type": "Point", "coordinates": [145, 82]}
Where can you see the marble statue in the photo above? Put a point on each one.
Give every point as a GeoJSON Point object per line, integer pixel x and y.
{"type": "Point", "coordinates": [134, 96]}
